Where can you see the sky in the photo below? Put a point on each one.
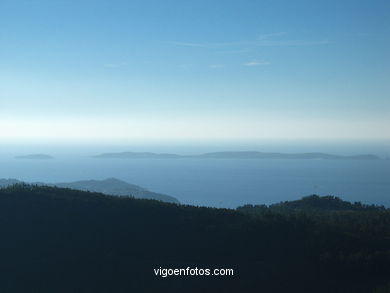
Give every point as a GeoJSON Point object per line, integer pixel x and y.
{"type": "Point", "coordinates": [116, 70]}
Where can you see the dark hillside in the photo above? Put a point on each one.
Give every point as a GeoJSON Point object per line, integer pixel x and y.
{"type": "Point", "coordinates": [62, 240]}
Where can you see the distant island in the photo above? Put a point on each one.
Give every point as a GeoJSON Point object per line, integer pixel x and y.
{"type": "Point", "coordinates": [136, 155]}
{"type": "Point", "coordinates": [35, 157]}
{"type": "Point", "coordinates": [109, 186]}
{"type": "Point", "coordinates": [236, 155]}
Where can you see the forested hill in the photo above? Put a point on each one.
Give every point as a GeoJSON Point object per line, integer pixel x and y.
{"type": "Point", "coordinates": [313, 204]}
{"type": "Point", "coordinates": [62, 240]}
{"type": "Point", "coordinates": [110, 186]}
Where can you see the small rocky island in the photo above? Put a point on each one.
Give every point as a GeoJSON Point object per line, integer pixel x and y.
{"type": "Point", "coordinates": [35, 157]}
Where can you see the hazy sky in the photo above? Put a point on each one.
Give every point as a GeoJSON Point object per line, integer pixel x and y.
{"type": "Point", "coordinates": [104, 70]}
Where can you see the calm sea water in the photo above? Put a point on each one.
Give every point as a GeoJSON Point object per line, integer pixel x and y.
{"type": "Point", "coordinates": [220, 182]}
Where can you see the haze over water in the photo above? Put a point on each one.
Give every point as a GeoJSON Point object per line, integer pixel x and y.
{"type": "Point", "coordinates": [216, 182]}
{"type": "Point", "coordinates": [79, 78]}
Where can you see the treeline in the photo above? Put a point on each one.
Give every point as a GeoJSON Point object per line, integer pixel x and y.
{"type": "Point", "coordinates": [349, 218]}
{"type": "Point", "coordinates": [62, 240]}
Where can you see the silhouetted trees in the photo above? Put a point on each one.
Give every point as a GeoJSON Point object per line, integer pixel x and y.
{"type": "Point", "coordinates": [62, 240]}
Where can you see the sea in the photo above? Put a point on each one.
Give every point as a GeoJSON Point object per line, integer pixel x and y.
{"type": "Point", "coordinates": [222, 183]}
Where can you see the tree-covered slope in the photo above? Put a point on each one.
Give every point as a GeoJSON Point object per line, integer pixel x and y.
{"type": "Point", "coordinates": [62, 240]}
{"type": "Point", "coordinates": [110, 186]}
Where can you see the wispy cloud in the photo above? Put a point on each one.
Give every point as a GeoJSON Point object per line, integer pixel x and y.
{"type": "Point", "coordinates": [216, 66]}
{"type": "Point", "coordinates": [267, 36]}
{"type": "Point", "coordinates": [237, 51]}
{"type": "Point", "coordinates": [186, 66]}
{"type": "Point", "coordinates": [256, 63]}
{"type": "Point", "coordinates": [115, 65]}
{"type": "Point", "coordinates": [255, 43]}
{"type": "Point", "coordinates": [265, 40]}
{"type": "Point", "coordinates": [277, 39]}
